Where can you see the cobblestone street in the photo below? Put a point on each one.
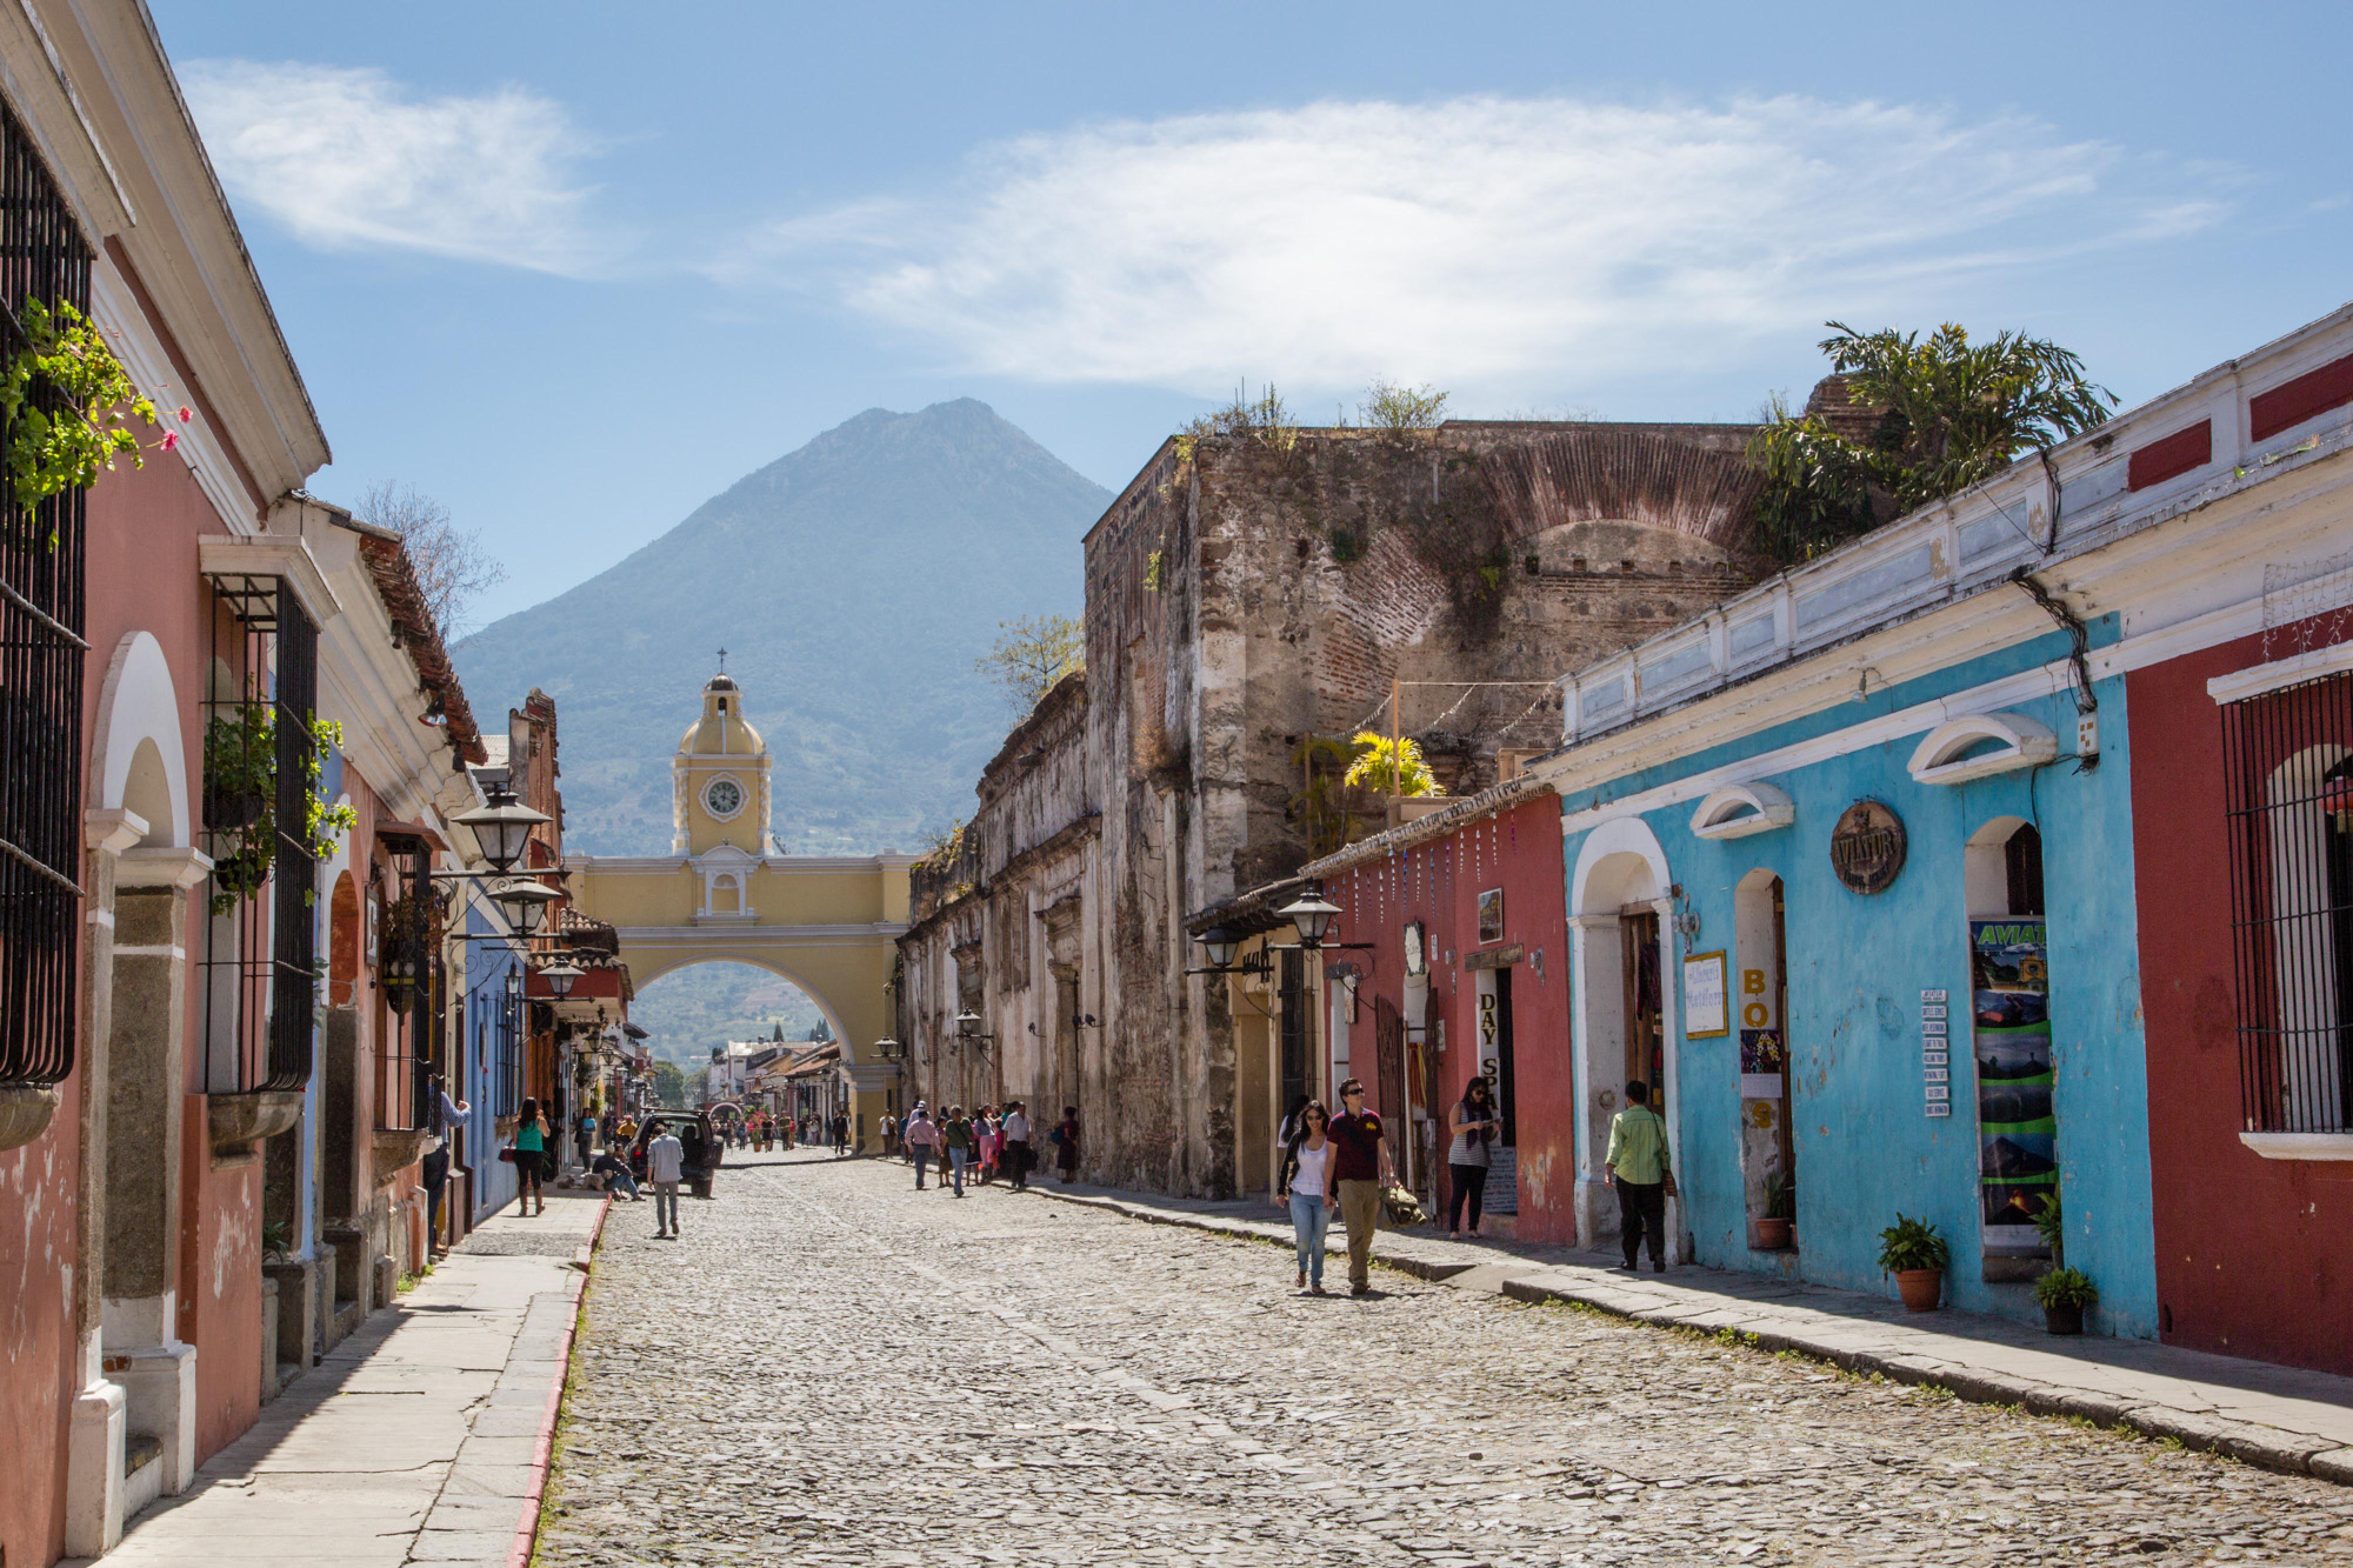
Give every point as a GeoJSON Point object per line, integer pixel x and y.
{"type": "Point", "coordinates": [834, 1368]}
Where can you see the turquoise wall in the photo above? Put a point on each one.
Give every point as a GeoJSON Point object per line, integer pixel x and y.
{"type": "Point", "coordinates": [1857, 964]}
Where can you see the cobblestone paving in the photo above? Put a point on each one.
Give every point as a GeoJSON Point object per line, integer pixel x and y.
{"type": "Point", "coordinates": [832, 1368]}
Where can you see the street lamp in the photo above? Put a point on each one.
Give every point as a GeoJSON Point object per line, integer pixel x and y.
{"type": "Point", "coordinates": [967, 1026]}
{"type": "Point", "coordinates": [525, 904]}
{"type": "Point", "coordinates": [561, 976]}
{"type": "Point", "coordinates": [1220, 945]}
{"type": "Point", "coordinates": [502, 826]}
{"type": "Point", "coordinates": [1312, 915]}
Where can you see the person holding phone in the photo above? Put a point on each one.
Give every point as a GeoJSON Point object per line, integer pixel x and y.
{"type": "Point", "coordinates": [1306, 1159]}
{"type": "Point", "coordinates": [1476, 1127]}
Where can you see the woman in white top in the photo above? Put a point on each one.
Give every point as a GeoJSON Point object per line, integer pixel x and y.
{"type": "Point", "coordinates": [1475, 1128]}
{"type": "Point", "coordinates": [1305, 1182]}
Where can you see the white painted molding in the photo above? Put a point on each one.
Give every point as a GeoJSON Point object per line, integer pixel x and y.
{"type": "Point", "coordinates": [2300, 1145]}
{"type": "Point", "coordinates": [1735, 811]}
{"type": "Point", "coordinates": [1938, 760]}
{"type": "Point", "coordinates": [138, 702]}
{"type": "Point", "coordinates": [272, 555]}
{"type": "Point", "coordinates": [2241, 684]}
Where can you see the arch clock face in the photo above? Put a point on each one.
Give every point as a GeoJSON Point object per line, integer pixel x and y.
{"type": "Point", "coordinates": [724, 797]}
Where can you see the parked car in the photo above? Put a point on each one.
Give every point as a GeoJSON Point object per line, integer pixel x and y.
{"type": "Point", "coordinates": [695, 1135]}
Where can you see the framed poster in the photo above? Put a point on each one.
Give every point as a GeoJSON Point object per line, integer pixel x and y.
{"type": "Point", "coordinates": [1762, 1062]}
{"type": "Point", "coordinates": [1706, 1014]}
{"type": "Point", "coordinates": [1491, 915]}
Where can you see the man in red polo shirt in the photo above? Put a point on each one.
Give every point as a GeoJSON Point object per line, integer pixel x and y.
{"type": "Point", "coordinates": [1360, 1164]}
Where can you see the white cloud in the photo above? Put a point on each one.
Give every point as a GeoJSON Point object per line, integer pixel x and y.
{"type": "Point", "coordinates": [1480, 239]}
{"type": "Point", "coordinates": [347, 161]}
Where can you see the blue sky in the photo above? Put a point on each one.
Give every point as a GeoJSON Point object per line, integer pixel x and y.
{"type": "Point", "coordinates": [573, 268]}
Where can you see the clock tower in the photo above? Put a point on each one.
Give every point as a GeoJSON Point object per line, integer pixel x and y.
{"type": "Point", "coordinates": [719, 779]}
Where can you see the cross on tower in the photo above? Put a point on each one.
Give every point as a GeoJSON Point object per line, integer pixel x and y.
{"type": "Point", "coordinates": [722, 661]}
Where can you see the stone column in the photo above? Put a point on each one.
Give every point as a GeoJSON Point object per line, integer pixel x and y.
{"type": "Point", "coordinates": [157, 891]}
{"type": "Point", "coordinates": [97, 1434]}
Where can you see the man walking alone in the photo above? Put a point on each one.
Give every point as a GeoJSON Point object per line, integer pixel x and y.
{"type": "Point", "coordinates": [665, 1168]}
{"type": "Point", "coordinates": [1017, 1146]}
{"type": "Point", "coordinates": [1360, 1164]}
{"type": "Point", "coordinates": [1638, 1165]}
{"type": "Point", "coordinates": [921, 1138]}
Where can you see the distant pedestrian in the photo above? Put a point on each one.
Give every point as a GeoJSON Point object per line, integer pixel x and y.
{"type": "Point", "coordinates": [529, 1153]}
{"type": "Point", "coordinates": [840, 1133]}
{"type": "Point", "coordinates": [1467, 1158]}
{"type": "Point", "coordinates": [957, 1136]}
{"type": "Point", "coordinates": [615, 1172]}
{"type": "Point", "coordinates": [1360, 1165]}
{"type": "Point", "coordinates": [921, 1138]}
{"type": "Point", "coordinates": [1636, 1163]}
{"type": "Point", "coordinates": [985, 1129]}
{"type": "Point", "coordinates": [1305, 1185]}
{"type": "Point", "coordinates": [1066, 1144]}
{"type": "Point", "coordinates": [1017, 1146]}
{"type": "Point", "coordinates": [584, 1135]}
{"type": "Point", "coordinates": [1289, 1127]}
{"type": "Point", "coordinates": [665, 1168]}
{"type": "Point", "coordinates": [887, 1129]}
{"type": "Point", "coordinates": [442, 1113]}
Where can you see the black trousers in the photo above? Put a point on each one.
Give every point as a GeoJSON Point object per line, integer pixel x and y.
{"type": "Point", "coordinates": [436, 1173]}
{"type": "Point", "coordinates": [1642, 1210]}
{"type": "Point", "coordinates": [1470, 1186]}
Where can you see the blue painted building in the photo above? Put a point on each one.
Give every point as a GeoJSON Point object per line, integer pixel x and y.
{"type": "Point", "coordinates": [488, 1029]}
{"type": "Point", "coordinates": [1849, 862]}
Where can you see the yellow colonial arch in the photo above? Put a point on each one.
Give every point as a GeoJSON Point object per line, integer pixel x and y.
{"type": "Point", "coordinates": [829, 924]}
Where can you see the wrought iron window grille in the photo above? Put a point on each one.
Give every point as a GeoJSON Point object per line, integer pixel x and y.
{"type": "Point", "coordinates": [260, 966]}
{"type": "Point", "coordinates": [43, 256]}
{"type": "Point", "coordinates": [408, 977]}
{"type": "Point", "coordinates": [2288, 766]}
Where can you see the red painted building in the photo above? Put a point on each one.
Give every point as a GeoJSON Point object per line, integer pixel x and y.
{"type": "Point", "coordinates": [2246, 949]}
{"type": "Point", "coordinates": [1466, 975]}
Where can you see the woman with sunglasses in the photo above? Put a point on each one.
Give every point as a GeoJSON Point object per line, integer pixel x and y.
{"type": "Point", "coordinates": [1306, 1167]}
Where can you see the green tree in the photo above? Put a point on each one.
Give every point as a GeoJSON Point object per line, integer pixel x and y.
{"type": "Point", "coordinates": [670, 1086]}
{"type": "Point", "coordinates": [1397, 770]}
{"type": "Point", "coordinates": [1032, 654]}
{"type": "Point", "coordinates": [1947, 413]}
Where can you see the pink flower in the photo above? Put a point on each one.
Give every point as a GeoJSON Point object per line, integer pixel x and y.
{"type": "Point", "coordinates": [171, 439]}
{"type": "Point", "coordinates": [186, 413]}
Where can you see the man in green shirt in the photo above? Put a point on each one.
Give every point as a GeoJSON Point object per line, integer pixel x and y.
{"type": "Point", "coordinates": [1638, 1165]}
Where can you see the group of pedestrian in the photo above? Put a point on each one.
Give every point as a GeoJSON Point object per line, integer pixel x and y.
{"type": "Point", "coordinates": [988, 1142]}
{"type": "Point", "coordinates": [1332, 1162]}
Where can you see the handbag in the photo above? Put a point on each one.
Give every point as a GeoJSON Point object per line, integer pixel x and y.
{"type": "Point", "coordinates": [1401, 1207]}
{"type": "Point", "coordinates": [508, 1154]}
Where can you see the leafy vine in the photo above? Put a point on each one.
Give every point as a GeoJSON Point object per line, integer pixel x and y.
{"type": "Point", "coordinates": [63, 441]}
{"type": "Point", "coordinates": [241, 801]}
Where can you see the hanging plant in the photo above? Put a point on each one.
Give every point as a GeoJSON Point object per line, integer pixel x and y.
{"type": "Point", "coordinates": [241, 801]}
{"type": "Point", "coordinates": [62, 440]}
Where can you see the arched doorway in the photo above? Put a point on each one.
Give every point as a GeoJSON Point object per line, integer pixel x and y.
{"type": "Point", "coordinates": [691, 1010]}
{"type": "Point", "coordinates": [1619, 940]}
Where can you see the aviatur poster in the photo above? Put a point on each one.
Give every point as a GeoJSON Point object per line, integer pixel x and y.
{"type": "Point", "coordinates": [2018, 1132]}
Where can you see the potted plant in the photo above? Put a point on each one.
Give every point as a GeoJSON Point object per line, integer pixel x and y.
{"type": "Point", "coordinates": [1776, 1230]}
{"type": "Point", "coordinates": [1912, 1251]}
{"type": "Point", "coordinates": [2054, 1234]}
{"type": "Point", "coordinates": [241, 801]}
{"type": "Point", "coordinates": [2064, 1293]}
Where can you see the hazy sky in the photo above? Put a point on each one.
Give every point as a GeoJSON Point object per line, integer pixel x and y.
{"type": "Point", "coordinates": [573, 268]}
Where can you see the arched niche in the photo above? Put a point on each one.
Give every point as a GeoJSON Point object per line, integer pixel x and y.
{"type": "Point", "coordinates": [1735, 811]}
{"type": "Point", "coordinates": [139, 759]}
{"type": "Point", "coordinates": [1980, 745]}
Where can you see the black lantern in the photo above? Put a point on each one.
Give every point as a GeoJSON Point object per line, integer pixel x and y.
{"type": "Point", "coordinates": [968, 1025]}
{"type": "Point", "coordinates": [502, 827]}
{"type": "Point", "coordinates": [1220, 944]}
{"type": "Point", "coordinates": [561, 976]}
{"type": "Point", "coordinates": [1312, 915]}
{"type": "Point", "coordinates": [525, 904]}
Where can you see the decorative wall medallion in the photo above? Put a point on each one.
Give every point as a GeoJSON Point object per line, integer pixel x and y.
{"type": "Point", "coordinates": [1867, 846]}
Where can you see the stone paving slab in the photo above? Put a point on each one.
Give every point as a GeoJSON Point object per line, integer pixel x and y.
{"type": "Point", "coordinates": [422, 1439]}
{"type": "Point", "coordinates": [2283, 1418]}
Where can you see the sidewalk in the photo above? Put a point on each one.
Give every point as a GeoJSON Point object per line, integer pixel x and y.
{"type": "Point", "coordinates": [2280, 1418]}
{"type": "Point", "coordinates": [421, 1438]}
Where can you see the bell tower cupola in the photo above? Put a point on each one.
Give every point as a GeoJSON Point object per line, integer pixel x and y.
{"type": "Point", "coordinates": [720, 777]}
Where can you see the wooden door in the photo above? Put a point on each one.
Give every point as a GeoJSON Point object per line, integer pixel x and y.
{"type": "Point", "coordinates": [1646, 1047]}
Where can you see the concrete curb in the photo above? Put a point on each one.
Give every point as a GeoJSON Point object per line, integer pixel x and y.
{"type": "Point", "coordinates": [526, 1535]}
{"type": "Point", "coordinates": [2267, 1447]}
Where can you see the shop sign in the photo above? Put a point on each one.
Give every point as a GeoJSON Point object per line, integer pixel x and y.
{"type": "Point", "coordinates": [1491, 915]}
{"type": "Point", "coordinates": [1867, 846]}
{"type": "Point", "coordinates": [1495, 957]}
{"type": "Point", "coordinates": [1704, 1003]}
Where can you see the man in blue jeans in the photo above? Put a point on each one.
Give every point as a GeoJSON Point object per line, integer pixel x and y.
{"type": "Point", "coordinates": [957, 1135]}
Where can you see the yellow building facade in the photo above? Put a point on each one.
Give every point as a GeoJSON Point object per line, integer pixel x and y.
{"type": "Point", "coordinates": [826, 923]}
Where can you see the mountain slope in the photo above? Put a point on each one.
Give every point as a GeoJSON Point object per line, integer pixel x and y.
{"type": "Point", "coordinates": [853, 583]}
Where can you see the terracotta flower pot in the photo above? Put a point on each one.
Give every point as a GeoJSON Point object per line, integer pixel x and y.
{"type": "Point", "coordinates": [2064, 1320]}
{"type": "Point", "coordinates": [1921, 1287]}
{"type": "Point", "coordinates": [1774, 1235]}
